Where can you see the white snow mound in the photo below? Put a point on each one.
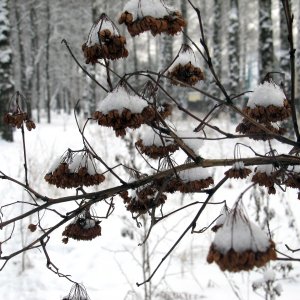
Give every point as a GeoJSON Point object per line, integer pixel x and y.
{"type": "Point", "coordinates": [143, 8]}
{"type": "Point", "coordinates": [239, 165]}
{"type": "Point", "coordinates": [150, 137]}
{"type": "Point", "coordinates": [269, 275]}
{"type": "Point", "coordinates": [185, 58]}
{"type": "Point", "coordinates": [268, 169]}
{"type": "Point", "coordinates": [223, 215]}
{"type": "Point", "coordinates": [266, 94]}
{"type": "Point", "coordinates": [194, 174]}
{"type": "Point", "coordinates": [120, 99]}
{"type": "Point", "coordinates": [240, 234]}
{"type": "Point", "coordinates": [191, 139]}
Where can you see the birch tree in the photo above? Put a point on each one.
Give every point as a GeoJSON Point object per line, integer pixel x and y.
{"type": "Point", "coordinates": [217, 41]}
{"type": "Point", "coordinates": [284, 58]}
{"type": "Point", "coordinates": [265, 47]}
{"type": "Point", "coordinates": [233, 47]}
{"type": "Point", "coordinates": [6, 83]}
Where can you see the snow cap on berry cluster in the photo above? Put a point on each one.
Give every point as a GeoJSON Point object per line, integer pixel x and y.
{"type": "Point", "coordinates": [150, 137]}
{"type": "Point", "coordinates": [185, 57]}
{"type": "Point", "coordinates": [240, 234]}
{"type": "Point", "coordinates": [191, 139]}
{"type": "Point", "coordinates": [143, 8]}
{"type": "Point", "coordinates": [194, 174]}
{"type": "Point", "coordinates": [119, 99]}
{"type": "Point", "coordinates": [267, 93]}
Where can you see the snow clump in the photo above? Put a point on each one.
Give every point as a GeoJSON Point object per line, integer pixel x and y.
{"type": "Point", "coordinates": [185, 57]}
{"type": "Point", "coordinates": [194, 174]}
{"type": "Point", "coordinates": [154, 8]}
{"type": "Point", "coordinates": [119, 99]}
{"type": "Point", "coordinates": [267, 93]}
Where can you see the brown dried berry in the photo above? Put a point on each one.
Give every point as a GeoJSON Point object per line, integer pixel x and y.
{"type": "Point", "coordinates": [32, 227]}
{"type": "Point", "coordinates": [65, 240]}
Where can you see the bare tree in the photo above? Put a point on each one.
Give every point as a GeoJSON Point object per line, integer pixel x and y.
{"type": "Point", "coordinates": [127, 106]}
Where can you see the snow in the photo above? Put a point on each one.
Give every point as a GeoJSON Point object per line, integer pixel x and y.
{"type": "Point", "coordinates": [5, 55]}
{"type": "Point", "coordinates": [295, 169]}
{"type": "Point", "coordinates": [278, 289]}
{"type": "Point", "coordinates": [55, 164]}
{"type": "Point", "coordinates": [269, 275]}
{"type": "Point", "coordinates": [185, 57]}
{"type": "Point", "coordinates": [89, 223]}
{"type": "Point", "coordinates": [223, 215]}
{"type": "Point", "coordinates": [186, 275]}
{"type": "Point", "coordinates": [4, 22]}
{"type": "Point", "coordinates": [268, 169]}
{"type": "Point", "coordinates": [194, 174]}
{"type": "Point", "coordinates": [3, 13]}
{"type": "Point", "coordinates": [150, 137]}
{"type": "Point", "coordinates": [191, 139]}
{"type": "Point", "coordinates": [93, 38]}
{"type": "Point", "coordinates": [91, 167]}
{"type": "Point", "coordinates": [82, 160]}
{"type": "Point", "coordinates": [233, 14]}
{"type": "Point", "coordinates": [266, 94]}
{"type": "Point", "coordinates": [77, 162]}
{"type": "Point", "coordinates": [239, 165]}
{"type": "Point", "coordinates": [3, 36]}
{"type": "Point", "coordinates": [119, 99]}
{"type": "Point", "coordinates": [143, 8]}
{"type": "Point", "coordinates": [240, 234]}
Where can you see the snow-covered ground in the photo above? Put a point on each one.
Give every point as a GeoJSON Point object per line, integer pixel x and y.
{"type": "Point", "coordinates": [109, 266]}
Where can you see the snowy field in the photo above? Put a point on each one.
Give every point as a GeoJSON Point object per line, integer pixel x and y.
{"type": "Point", "coordinates": [110, 266]}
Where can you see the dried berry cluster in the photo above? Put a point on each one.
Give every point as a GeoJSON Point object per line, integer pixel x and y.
{"type": "Point", "coordinates": [195, 185]}
{"type": "Point", "coordinates": [187, 73]}
{"type": "Point", "coordinates": [62, 177]}
{"type": "Point", "coordinates": [165, 110]}
{"type": "Point", "coordinates": [233, 261]}
{"type": "Point", "coordinates": [17, 118]}
{"type": "Point", "coordinates": [171, 186]}
{"type": "Point", "coordinates": [293, 180]}
{"type": "Point", "coordinates": [267, 180]}
{"type": "Point", "coordinates": [80, 232]}
{"type": "Point", "coordinates": [154, 151]}
{"type": "Point", "coordinates": [110, 46]}
{"type": "Point", "coordinates": [241, 173]}
{"type": "Point", "coordinates": [119, 121]}
{"type": "Point", "coordinates": [77, 292]}
{"type": "Point", "coordinates": [145, 199]}
{"type": "Point", "coordinates": [255, 133]}
{"type": "Point", "coordinates": [176, 184]}
{"type": "Point", "coordinates": [170, 24]}
{"type": "Point", "coordinates": [264, 115]}
{"type": "Point", "coordinates": [270, 113]}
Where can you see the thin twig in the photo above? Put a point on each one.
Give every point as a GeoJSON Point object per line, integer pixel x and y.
{"type": "Point", "coordinates": [191, 226]}
{"type": "Point", "coordinates": [289, 21]}
{"type": "Point", "coordinates": [50, 265]}
{"type": "Point", "coordinates": [292, 250]}
{"type": "Point", "coordinates": [81, 67]}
